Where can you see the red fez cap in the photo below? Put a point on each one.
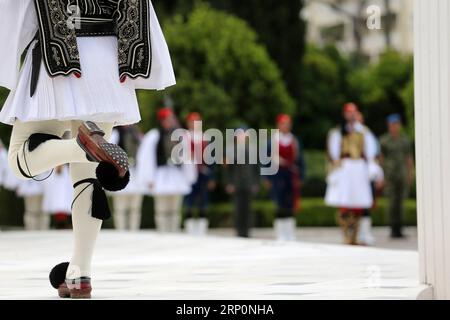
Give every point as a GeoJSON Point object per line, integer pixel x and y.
{"type": "Point", "coordinates": [193, 116]}
{"type": "Point", "coordinates": [350, 107]}
{"type": "Point", "coordinates": [283, 118]}
{"type": "Point", "coordinates": [164, 113]}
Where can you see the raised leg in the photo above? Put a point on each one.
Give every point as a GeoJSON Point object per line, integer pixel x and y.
{"type": "Point", "coordinates": [48, 151]}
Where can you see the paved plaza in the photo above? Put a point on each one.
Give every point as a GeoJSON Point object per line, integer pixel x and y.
{"type": "Point", "coordinates": [333, 235]}
{"type": "Point", "coordinates": [148, 265]}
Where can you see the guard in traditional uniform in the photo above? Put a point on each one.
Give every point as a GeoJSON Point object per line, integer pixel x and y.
{"type": "Point", "coordinates": [58, 207]}
{"type": "Point", "coordinates": [198, 198]}
{"type": "Point", "coordinates": [128, 202]}
{"type": "Point", "coordinates": [7, 179]}
{"type": "Point", "coordinates": [286, 182]}
{"type": "Point", "coordinates": [398, 165]}
{"type": "Point", "coordinates": [84, 61]}
{"type": "Point", "coordinates": [348, 183]}
{"type": "Point", "coordinates": [376, 175]}
{"type": "Point", "coordinates": [167, 175]}
{"type": "Point", "coordinates": [3, 163]}
{"type": "Point", "coordinates": [34, 218]}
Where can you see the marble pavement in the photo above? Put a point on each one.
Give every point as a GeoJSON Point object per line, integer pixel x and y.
{"type": "Point", "coordinates": [148, 265]}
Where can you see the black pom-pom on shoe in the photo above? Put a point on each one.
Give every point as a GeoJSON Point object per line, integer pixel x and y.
{"type": "Point", "coordinates": [58, 274]}
{"type": "Point", "coordinates": [109, 177]}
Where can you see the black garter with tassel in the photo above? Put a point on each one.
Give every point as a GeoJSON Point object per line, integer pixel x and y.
{"type": "Point", "coordinates": [100, 207]}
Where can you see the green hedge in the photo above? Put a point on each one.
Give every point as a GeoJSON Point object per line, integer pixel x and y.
{"type": "Point", "coordinates": [313, 213]}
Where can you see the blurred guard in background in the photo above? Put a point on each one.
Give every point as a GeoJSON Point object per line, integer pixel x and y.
{"type": "Point", "coordinates": [241, 181]}
{"type": "Point", "coordinates": [34, 218]}
{"type": "Point", "coordinates": [57, 197]}
{"type": "Point", "coordinates": [3, 163]}
{"type": "Point", "coordinates": [166, 175]}
{"type": "Point", "coordinates": [32, 192]}
{"type": "Point", "coordinates": [348, 183]}
{"type": "Point", "coordinates": [128, 202]}
{"type": "Point", "coordinates": [198, 198]}
{"type": "Point", "coordinates": [398, 164]}
{"type": "Point", "coordinates": [286, 182]}
{"type": "Point", "coordinates": [365, 236]}
{"type": "Point", "coordinates": [7, 178]}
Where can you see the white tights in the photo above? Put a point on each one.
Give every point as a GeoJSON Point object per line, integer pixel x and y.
{"type": "Point", "coordinates": [34, 218]}
{"type": "Point", "coordinates": [53, 153]}
{"type": "Point", "coordinates": [127, 211]}
{"type": "Point", "coordinates": [168, 212]}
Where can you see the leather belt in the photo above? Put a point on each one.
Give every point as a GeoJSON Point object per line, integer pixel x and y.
{"type": "Point", "coordinates": [96, 29]}
{"type": "Point", "coordinates": [347, 156]}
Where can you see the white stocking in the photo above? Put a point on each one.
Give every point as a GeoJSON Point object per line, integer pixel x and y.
{"type": "Point", "coordinates": [135, 212]}
{"type": "Point", "coordinates": [85, 227]}
{"type": "Point", "coordinates": [120, 211]}
{"type": "Point", "coordinates": [32, 215]}
{"type": "Point", "coordinates": [44, 221]}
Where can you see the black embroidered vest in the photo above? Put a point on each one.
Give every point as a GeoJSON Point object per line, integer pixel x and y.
{"type": "Point", "coordinates": [164, 149]}
{"type": "Point", "coordinates": [61, 21]}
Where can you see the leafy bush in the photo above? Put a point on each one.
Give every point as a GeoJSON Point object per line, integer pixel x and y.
{"type": "Point", "coordinates": [222, 71]}
{"type": "Point", "coordinates": [407, 95]}
{"type": "Point", "coordinates": [324, 91]}
{"type": "Point", "coordinates": [380, 89]}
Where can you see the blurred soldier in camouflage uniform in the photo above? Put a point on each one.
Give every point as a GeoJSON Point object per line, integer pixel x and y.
{"type": "Point", "coordinates": [398, 163]}
{"type": "Point", "coordinates": [242, 181]}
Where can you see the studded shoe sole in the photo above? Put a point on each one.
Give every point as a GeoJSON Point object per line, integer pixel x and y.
{"type": "Point", "coordinates": [90, 139]}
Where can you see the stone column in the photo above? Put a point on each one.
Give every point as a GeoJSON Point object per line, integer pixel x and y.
{"type": "Point", "coordinates": [432, 116]}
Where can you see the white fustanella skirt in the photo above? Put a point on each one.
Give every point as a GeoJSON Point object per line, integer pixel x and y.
{"type": "Point", "coordinates": [97, 96]}
{"type": "Point", "coordinates": [349, 186]}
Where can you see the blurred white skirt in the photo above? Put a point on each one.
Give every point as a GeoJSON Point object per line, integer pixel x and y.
{"type": "Point", "coordinates": [349, 186]}
{"type": "Point", "coordinates": [58, 192]}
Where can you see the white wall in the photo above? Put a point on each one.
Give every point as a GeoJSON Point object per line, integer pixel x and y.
{"type": "Point", "coordinates": [320, 15]}
{"type": "Point", "coordinates": [432, 87]}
